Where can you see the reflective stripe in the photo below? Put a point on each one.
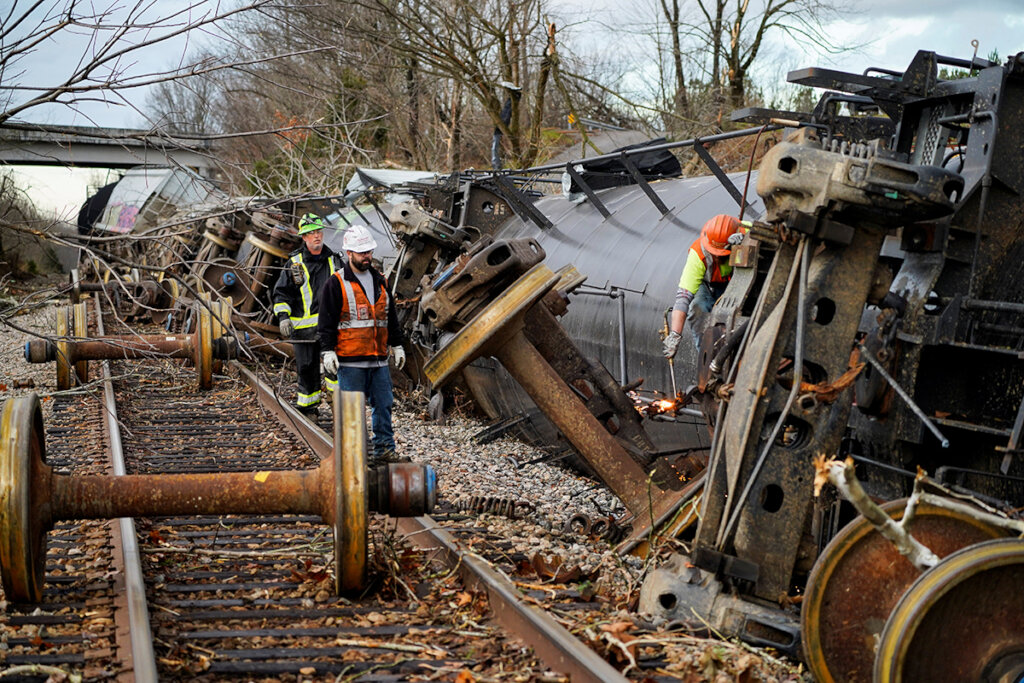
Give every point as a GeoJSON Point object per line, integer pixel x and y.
{"type": "Point", "coordinates": [306, 400]}
{"type": "Point", "coordinates": [350, 296]}
{"type": "Point", "coordinates": [348, 289]}
{"type": "Point", "coordinates": [332, 384]}
{"type": "Point", "coordinates": [702, 266]}
{"type": "Point", "coordinates": [720, 272]}
{"type": "Point", "coordinates": [282, 308]}
{"type": "Point", "coordinates": [362, 326]}
{"type": "Point", "coordinates": [306, 290]}
{"type": "Point", "coordinates": [306, 319]}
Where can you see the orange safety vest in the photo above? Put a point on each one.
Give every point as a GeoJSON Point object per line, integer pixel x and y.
{"type": "Point", "coordinates": [713, 264]}
{"type": "Point", "coordinates": [362, 328]}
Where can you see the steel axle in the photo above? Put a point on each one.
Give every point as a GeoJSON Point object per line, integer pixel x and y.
{"type": "Point", "coordinates": [498, 331]}
{"type": "Point", "coordinates": [203, 346]}
{"type": "Point", "coordinates": [33, 497]}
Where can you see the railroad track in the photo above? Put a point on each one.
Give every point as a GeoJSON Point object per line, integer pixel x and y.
{"type": "Point", "coordinates": [249, 596]}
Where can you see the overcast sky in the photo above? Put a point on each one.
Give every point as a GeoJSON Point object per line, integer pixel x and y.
{"type": "Point", "coordinates": [891, 31]}
{"type": "Point", "coordinates": [894, 30]}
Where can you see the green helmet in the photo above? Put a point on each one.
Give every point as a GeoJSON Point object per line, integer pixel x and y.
{"type": "Point", "coordinates": [311, 222]}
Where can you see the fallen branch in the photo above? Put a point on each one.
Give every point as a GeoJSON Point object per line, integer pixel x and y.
{"type": "Point", "coordinates": [40, 669]}
{"type": "Point", "coordinates": [1014, 525]}
{"type": "Point", "coordinates": [431, 650]}
{"type": "Point", "coordinates": [841, 475]}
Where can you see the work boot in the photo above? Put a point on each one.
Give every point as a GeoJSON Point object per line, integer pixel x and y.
{"type": "Point", "coordinates": [389, 455]}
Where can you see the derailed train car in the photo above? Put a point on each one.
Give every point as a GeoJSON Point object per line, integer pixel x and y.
{"type": "Point", "coordinates": [628, 241]}
{"type": "Point", "coordinates": [875, 314]}
{"type": "Point", "coordinates": [189, 240]}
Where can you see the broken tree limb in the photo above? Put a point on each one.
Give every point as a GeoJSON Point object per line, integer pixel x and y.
{"type": "Point", "coordinates": [1014, 525]}
{"type": "Point", "coordinates": [841, 475]}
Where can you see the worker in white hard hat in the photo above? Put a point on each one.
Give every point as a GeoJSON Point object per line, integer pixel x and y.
{"type": "Point", "coordinates": [296, 298]}
{"type": "Point", "coordinates": [357, 326]}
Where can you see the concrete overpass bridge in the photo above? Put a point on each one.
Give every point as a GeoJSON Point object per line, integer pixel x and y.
{"type": "Point", "coordinates": [89, 147]}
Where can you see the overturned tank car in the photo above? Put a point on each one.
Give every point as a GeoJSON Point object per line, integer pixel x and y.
{"type": "Point", "coordinates": [874, 314]}
{"type": "Point", "coordinates": [878, 318]}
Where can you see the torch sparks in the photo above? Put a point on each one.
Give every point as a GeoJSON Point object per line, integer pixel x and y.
{"type": "Point", "coordinates": [657, 407]}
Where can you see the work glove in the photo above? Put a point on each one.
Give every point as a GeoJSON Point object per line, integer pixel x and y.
{"type": "Point", "coordinates": [330, 361]}
{"type": "Point", "coordinates": [287, 328]}
{"type": "Point", "coordinates": [671, 344]}
{"type": "Point", "coordinates": [735, 238]}
{"type": "Point", "coordinates": [399, 353]}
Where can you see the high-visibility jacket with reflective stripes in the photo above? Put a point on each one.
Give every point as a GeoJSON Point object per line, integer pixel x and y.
{"type": "Point", "coordinates": [702, 266]}
{"type": "Point", "coordinates": [362, 326]}
{"type": "Point", "coordinates": [301, 302]}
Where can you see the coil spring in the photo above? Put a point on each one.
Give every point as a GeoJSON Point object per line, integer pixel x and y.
{"type": "Point", "coordinates": [605, 528]}
{"type": "Point", "coordinates": [506, 507]}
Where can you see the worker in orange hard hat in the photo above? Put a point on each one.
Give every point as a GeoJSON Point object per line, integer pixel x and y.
{"type": "Point", "coordinates": [705, 275]}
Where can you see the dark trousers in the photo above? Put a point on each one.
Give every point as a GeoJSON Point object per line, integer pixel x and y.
{"type": "Point", "coordinates": [307, 365]}
{"type": "Point", "coordinates": [700, 307]}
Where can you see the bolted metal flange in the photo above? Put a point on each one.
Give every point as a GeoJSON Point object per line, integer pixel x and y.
{"type": "Point", "coordinates": [341, 491]}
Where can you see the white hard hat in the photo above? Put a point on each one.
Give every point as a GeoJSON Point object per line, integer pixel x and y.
{"type": "Point", "coordinates": [358, 239]}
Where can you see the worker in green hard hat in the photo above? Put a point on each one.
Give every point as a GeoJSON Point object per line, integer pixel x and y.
{"type": "Point", "coordinates": [296, 302]}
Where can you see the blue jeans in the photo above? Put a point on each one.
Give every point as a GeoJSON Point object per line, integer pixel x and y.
{"type": "Point", "coordinates": [375, 384]}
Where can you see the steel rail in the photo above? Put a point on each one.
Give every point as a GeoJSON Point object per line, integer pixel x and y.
{"type": "Point", "coordinates": [556, 646]}
{"type": "Point", "coordinates": [141, 658]}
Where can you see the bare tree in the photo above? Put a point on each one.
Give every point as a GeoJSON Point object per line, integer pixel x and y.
{"type": "Point", "coordinates": [673, 17]}
{"type": "Point", "coordinates": [719, 41]}
{"type": "Point", "coordinates": [186, 105]}
{"type": "Point", "coordinates": [495, 50]}
{"type": "Point", "coordinates": [109, 38]}
{"type": "Point", "coordinates": [737, 36]}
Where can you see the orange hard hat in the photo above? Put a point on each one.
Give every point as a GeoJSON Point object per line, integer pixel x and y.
{"type": "Point", "coordinates": [714, 236]}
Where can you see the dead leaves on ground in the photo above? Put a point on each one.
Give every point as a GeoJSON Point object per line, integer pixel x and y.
{"type": "Point", "coordinates": [309, 574]}
{"type": "Point", "coordinates": [553, 570]}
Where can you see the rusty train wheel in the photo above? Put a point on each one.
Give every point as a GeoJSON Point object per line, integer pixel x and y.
{"type": "Point", "coordinates": [80, 318]}
{"type": "Point", "coordinates": [23, 518]}
{"type": "Point", "coordinates": [204, 345]}
{"type": "Point", "coordinates": [351, 511]}
{"type": "Point", "coordinates": [76, 285]}
{"type": "Point", "coordinates": [63, 349]}
{"type": "Point", "coordinates": [495, 323]}
{"type": "Point", "coordinates": [265, 246]}
{"type": "Point", "coordinates": [962, 620]}
{"type": "Point", "coordinates": [171, 290]}
{"type": "Point", "coordinates": [220, 241]}
{"type": "Point", "coordinates": [859, 578]}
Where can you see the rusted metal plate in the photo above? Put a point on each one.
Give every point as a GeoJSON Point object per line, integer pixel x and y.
{"type": "Point", "coordinates": [462, 291]}
{"type": "Point", "coordinates": [491, 326]}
